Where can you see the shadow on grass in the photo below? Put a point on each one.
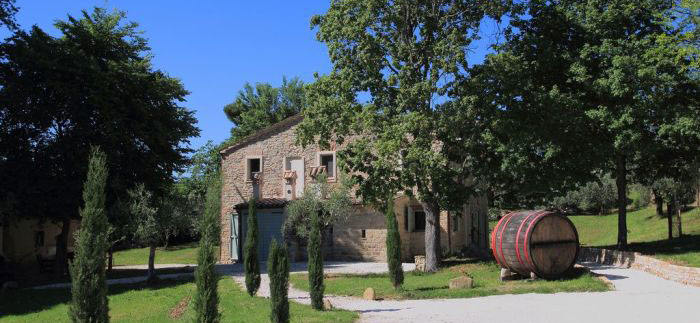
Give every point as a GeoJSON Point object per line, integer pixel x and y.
{"type": "Point", "coordinates": [26, 301]}
{"type": "Point", "coordinates": [685, 244]}
{"type": "Point", "coordinates": [32, 278]}
{"type": "Point", "coordinates": [188, 245]}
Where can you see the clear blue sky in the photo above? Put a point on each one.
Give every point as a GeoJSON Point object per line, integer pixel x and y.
{"type": "Point", "coordinates": [215, 47]}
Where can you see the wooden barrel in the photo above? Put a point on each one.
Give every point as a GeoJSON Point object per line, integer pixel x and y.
{"type": "Point", "coordinates": [539, 242]}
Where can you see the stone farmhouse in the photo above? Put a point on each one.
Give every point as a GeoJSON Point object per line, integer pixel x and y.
{"type": "Point", "coordinates": [270, 166]}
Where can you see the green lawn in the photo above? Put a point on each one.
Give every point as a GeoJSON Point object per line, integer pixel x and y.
{"type": "Point", "coordinates": [420, 285]}
{"type": "Point", "coordinates": [138, 303]}
{"type": "Point", "coordinates": [647, 233]}
{"type": "Point", "coordinates": [178, 254]}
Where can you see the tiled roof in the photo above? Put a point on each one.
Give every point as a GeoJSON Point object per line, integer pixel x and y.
{"type": "Point", "coordinates": [263, 133]}
{"type": "Point", "coordinates": [265, 203]}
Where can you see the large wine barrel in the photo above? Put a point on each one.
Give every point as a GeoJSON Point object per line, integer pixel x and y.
{"type": "Point", "coordinates": [539, 242]}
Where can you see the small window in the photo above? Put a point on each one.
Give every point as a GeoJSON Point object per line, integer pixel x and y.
{"type": "Point", "coordinates": [254, 167]}
{"type": "Point", "coordinates": [328, 160]}
{"type": "Point", "coordinates": [419, 220]}
{"type": "Point", "coordinates": [39, 239]}
{"type": "Point", "coordinates": [364, 233]}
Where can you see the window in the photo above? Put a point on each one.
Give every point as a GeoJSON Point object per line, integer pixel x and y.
{"type": "Point", "coordinates": [38, 239]}
{"type": "Point", "coordinates": [327, 159]}
{"type": "Point", "coordinates": [253, 167]}
{"type": "Point", "coordinates": [419, 220]}
{"type": "Point", "coordinates": [455, 222]}
{"type": "Point", "coordinates": [364, 233]}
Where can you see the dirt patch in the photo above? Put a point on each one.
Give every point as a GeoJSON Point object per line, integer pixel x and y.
{"type": "Point", "coordinates": [177, 311]}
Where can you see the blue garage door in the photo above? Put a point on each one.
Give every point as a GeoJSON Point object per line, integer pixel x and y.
{"type": "Point", "coordinates": [269, 227]}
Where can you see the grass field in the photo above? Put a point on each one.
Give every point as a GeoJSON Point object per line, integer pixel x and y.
{"type": "Point", "coordinates": [140, 303]}
{"type": "Point", "coordinates": [647, 233]}
{"type": "Point", "coordinates": [177, 254]}
{"type": "Point", "coordinates": [421, 286]}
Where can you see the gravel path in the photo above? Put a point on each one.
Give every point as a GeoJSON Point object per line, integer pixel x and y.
{"type": "Point", "coordinates": [638, 297]}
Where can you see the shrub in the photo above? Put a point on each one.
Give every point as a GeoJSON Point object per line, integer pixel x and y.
{"type": "Point", "coordinates": [250, 253]}
{"type": "Point", "coordinates": [315, 263]}
{"type": "Point", "coordinates": [393, 247]}
{"type": "Point", "coordinates": [278, 270]}
{"type": "Point", "coordinates": [641, 196]}
{"type": "Point", "coordinates": [89, 288]}
{"type": "Point", "coordinates": [593, 197]}
{"type": "Point", "coordinates": [206, 300]}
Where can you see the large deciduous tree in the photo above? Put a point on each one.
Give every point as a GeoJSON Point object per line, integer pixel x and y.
{"type": "Point", "coordinates": [261, 105]}
{"type": "Point", "coordinates": [393, 64]}
{"type": "Point", "coordinates": [591, 85]}
{"type": "Point", "coordinates": [94, 85]}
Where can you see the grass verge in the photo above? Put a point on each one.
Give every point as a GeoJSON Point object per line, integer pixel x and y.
{"type": "Point", "coordinates": [423, 286]}
{"type": "Point", "coordinates": [156, 303]}
{"type": "Point", "coordinates": [647, 234]}
{"type": "Point", "coordinates": [176, 254]}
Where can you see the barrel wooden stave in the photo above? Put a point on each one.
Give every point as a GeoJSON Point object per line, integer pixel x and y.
{"type": "Point", "coordinates": [535, 241]}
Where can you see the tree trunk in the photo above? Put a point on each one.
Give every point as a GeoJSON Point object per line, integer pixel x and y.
{"type": "Point", "coordinates": [659, 204]}
{"type": "Point", "coordinates": [669, 217]}
{"type": "Point", "coordinates": [679, 224]}
{"type": "Point", "coordinates": [110, 258]}
{"type": "Point", "coordinates": [621, 182]}
{"type": "Point", "coordinates": [62, 248]}
{"type": "Point", "coordinates": [432, 236]}
{"type": "Point", "coordinates": [151, 263]}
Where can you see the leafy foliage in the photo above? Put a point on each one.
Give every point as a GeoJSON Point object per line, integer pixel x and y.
{"type": "Point", "coordinates": [89, 286]}
{"type": "Point", "coordinates": [206, 300]}
{"type": "Point", "coordinates": [250, 251]}
{"type": "Point", "coordinates": [261, 105]}
{"type": "Point", "coordinates": [93, 85]}
{"type": "Point", "coordinates": [315, 262]}
{"type": "Point", "coordinates": [7, 13]}
{"type": "Point", "coordinates": [393, 246]}
{"type": "Point", "coordinates": [278, 270]}
{"type": "Point", "coordinates": [402, 56]}
{"type": "Point", "coordinates": [591, 85]}
{"type": "Point", "coordinates": [593, 197]}
{"type": "Point", "coordinates": [333, 202]}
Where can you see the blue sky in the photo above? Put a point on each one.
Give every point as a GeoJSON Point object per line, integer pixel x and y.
{"type": "Point", "coordinates": [215, 47]}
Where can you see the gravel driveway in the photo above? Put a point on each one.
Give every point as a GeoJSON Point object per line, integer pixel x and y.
{"type": "Point", "coordinates": [638, 297]}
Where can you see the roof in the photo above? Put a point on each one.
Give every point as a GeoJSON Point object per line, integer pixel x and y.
{"type": "Point", "coordinates": [265, 203]}
{"type": "Point", "coordinates": [263, 133]}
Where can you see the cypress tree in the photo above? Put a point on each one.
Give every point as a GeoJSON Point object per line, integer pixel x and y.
{"type": "Point", "coordinates": [278, 270]}
{"type": "Point", "coordinates": [252, 267]}
{"type": "Point", "coordinates": [315, 262]}
{"type": "Point", "coordinates": [393, 246]}
{"type": "Point", "coordinates": [206, 300]}
{"type": "Point", "coordinates": [89, 288]}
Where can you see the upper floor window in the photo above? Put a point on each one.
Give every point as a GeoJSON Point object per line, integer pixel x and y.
{"type": "Point", "coordinates": [253, 167]}
{"type": "Point", "coordinates": [327, 159]}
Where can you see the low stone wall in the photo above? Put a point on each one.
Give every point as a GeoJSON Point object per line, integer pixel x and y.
{"type": "Point", "coordinates": [635, 260]}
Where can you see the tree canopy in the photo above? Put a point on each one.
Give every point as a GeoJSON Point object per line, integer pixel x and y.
{"type": "Point", "coordinates": [93, 85]}
{"type": "Point", "coordinates": [394, 62]}
{"type": "Point", "coordinates": [590, 85]}
{"type": "Point", "coordinates": [261, 105]}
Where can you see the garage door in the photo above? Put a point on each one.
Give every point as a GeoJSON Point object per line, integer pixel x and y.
{"type": "Point", "coordinates": [269, 227]}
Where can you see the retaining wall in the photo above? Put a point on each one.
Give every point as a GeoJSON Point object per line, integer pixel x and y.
{"type": "Point", "coordinates": [635, 260]}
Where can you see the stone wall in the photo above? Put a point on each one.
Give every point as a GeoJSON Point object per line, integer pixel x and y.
{"type": "Point", "coordinates": [277, 143]}
{"type": "Point", "coordinates": [635, 260]}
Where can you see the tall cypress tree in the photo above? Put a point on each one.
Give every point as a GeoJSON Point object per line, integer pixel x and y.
{"type": "Point", "coordinates": [393, 246]}
{"type": "Point", "coordinates": [252, 267]}
{"type": "Point", "coordinates": [278, 270]}
{"type": "Point", "coordinates": [89, 288]}
{"type": "Point", "coordinates": [315, 262]}
{"type": "Point", "coordinates": [206, 300]}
